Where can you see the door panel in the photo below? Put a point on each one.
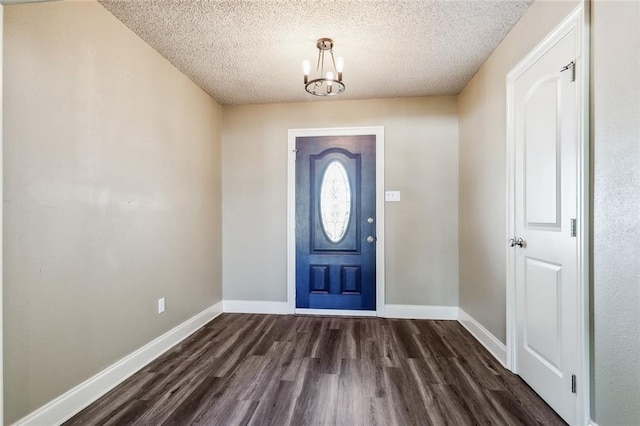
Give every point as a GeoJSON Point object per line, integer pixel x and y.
{"type": "Point", "coordinates": [542, 152]}
{"type": "Point", "coordinates": [542, 334]}
{"type": "Point", "coordinates": [335, 198]}
{"type": "Point", "coordinates": [545, 202]}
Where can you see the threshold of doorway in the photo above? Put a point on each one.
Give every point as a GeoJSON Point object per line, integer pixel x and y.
{"type": "Point", "coordinates": [335, 312]}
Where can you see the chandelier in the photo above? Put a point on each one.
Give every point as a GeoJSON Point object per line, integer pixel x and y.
{"type": "Point", "coordinates": [328, 78]}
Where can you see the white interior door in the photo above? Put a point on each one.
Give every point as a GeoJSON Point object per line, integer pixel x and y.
{"type": "Point", "coordinates": [546, 142]}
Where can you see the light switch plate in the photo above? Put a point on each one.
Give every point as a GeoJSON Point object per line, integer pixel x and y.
{"type": "Point", "coordinates": [161, 305]}
{"type": "Point", "coordinates": [392, 196]}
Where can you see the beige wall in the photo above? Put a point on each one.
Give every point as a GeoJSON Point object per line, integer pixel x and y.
{"type": "Point", "coordinates": [482, 108]}
{"type": "Point", "coordinates": [112, 198]}
{"type": "Point", "coordinates": [421, 156]}
{"type": "Point", "coordinates": [616, 216]}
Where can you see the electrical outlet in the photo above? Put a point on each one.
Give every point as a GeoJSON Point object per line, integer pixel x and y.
{"type": "Point", "coordinates": [392, 196]}
{"type": "Point", "coordinates": [161, 305]}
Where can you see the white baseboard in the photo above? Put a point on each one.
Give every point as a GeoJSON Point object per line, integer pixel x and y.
{"type": "Point", "coordinates": [592, 423]}
{"type": "Point", "coordinates": [256, 307]}
{"type": "Point", "coordinates": [421, 312]}
{"type": "Point", "coordinates": [72, 402]}
{"type": "Point", "coordinates": [488, 340]}
{"type": "Point", "coordinates": [390, 311]}
{"type": "Point", "coordinates": [336, 312]}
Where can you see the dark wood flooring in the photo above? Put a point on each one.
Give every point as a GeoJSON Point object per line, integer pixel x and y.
{"type": "Point", "coordinates": [300, 370]}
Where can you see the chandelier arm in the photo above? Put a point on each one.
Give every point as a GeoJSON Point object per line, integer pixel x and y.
{"type": "Point", "coordinates": [320, 60]}
{"type": "Point", "coordinates": [335, 68]}
{"type": "Point", "coordinates": [333, 61]}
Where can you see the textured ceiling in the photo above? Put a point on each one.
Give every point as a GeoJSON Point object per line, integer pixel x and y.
{"type": "Point", "coordinates": [244, 52]}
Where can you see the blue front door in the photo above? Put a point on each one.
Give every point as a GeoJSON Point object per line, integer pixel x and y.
{"type": "Point", "coordinates": [336, 222]}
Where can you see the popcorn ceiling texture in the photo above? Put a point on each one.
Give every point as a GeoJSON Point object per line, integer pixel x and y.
{"type": "Point", "coordinates": [245, 52]}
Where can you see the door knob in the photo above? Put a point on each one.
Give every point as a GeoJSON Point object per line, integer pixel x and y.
{"type": "Point", "coordinates": [370, 239]}
{"type": "Point", "coordinates": [517, 242]}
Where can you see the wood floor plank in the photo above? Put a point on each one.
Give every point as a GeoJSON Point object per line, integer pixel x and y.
{"type": "Point", "coordinates": [382, 412]}
{"type": "Point", "coordinates": [408, 408]}
{"type": "Point", "coordinates": [525, 396]}
{"type": "Point", "coordinates": [276, 408]}
{"type": "Point", "coordinates": [317, 403]}
{"type": "Point", "coordinates": [198, 401]}
{"type": "Point", "coordinates": [112, 402]}
{"type": "Point", "coordinates": [432, 341]}
{"type": "Point", "coordinates": [228, 413]}
{"type": "Point", "coordinates": [509, 410]}
{"type": "Point", "coordinates": [328, 352]}
{"type": "Point", "coordinates": [242, 369]}
{"type": "Point", "coordinates": [271, 370]}
{"type": "Point", "coordinates": [451, 401]}
{"type": "Point", "coordinates": [475, 398]}
{"type": "Point", "coordinates": [170, 397]}
{"type": "Point", "coordinates": [419, 372]}
{"type": "Point", "coordinates": [404, 333]}
{"type": "Point", "coordinates": [128, 414]}
{"type": "Point", "coordinates": [360, 381]}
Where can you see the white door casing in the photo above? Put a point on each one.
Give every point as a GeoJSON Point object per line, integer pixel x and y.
{"type": "Point", "coordinates": [1, 216]}
{"type": "Point", "coordinates": [547, 320]}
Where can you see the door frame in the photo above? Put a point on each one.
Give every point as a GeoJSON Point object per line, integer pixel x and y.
{"type": "Point", "coordinates": [1, 213]}
{"type": "Point", "coordinates": [378, 131]}
{"type": "Point", "coordinates": [577, 20]}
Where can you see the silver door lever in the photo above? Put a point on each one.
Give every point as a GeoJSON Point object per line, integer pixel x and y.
{"type": "Point", "coordinates": [517, 242]}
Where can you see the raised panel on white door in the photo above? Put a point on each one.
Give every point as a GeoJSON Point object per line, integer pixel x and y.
{"type": "Point", "coordinates": [542, 154]}
{"type": "Point", "coordinates": [543, 326]}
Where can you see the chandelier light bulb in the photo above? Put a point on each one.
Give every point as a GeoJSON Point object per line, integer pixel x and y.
{"type": "Point", "coordinates": [330, 78]}
{"type": "Point", "coordinates": [306, 68]}
{"type": "Point", "coordinates": [339, 67]}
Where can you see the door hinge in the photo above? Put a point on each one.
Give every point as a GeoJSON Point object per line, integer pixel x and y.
{"type": "Point", "coordinates": [573, 384]}
{"type": "Point", "coordinates": [570, 66]}
{"type": "Point", "coordinates": [574, 227]}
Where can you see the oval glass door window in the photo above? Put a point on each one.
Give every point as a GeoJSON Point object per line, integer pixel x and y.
{"type": "Point", "coordinates": [335, 201]}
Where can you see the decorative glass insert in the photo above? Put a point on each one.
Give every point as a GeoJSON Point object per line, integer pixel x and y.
{"type": "Point", "coordinates": [335, 201]}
